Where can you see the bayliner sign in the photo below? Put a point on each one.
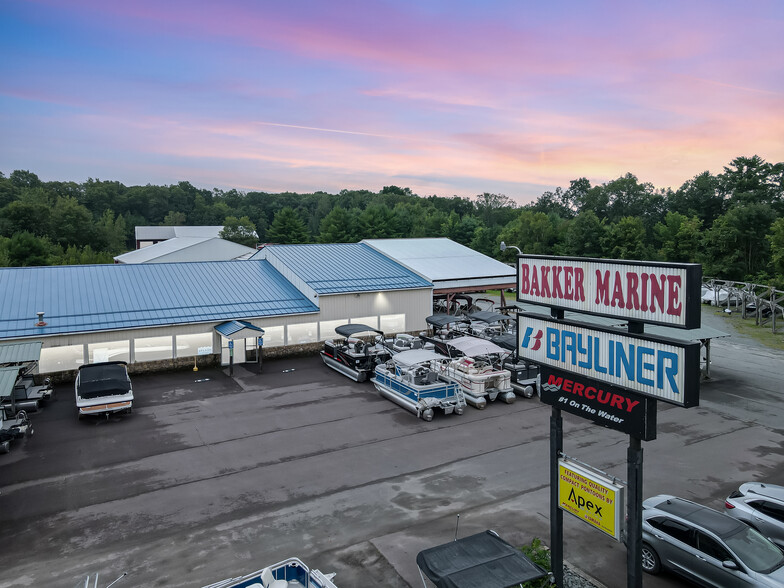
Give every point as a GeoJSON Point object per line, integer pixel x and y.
{"type": "Point", "coordinates": [654, 366]}
{"type": "Point", "coordinates": [661, 293]}
{"type": "Point", "coordinates": [605, 405]}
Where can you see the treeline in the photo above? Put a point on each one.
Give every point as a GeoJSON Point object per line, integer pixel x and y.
{"type": "Point", "coordinates": [732, 223]}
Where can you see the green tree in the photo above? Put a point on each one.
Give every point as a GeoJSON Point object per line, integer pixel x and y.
{"type": "Point", "coordinates": [25, 249]}
{"type": "Point", "coordinates": [175, 219]}
{"type": "Point", "coordinates": [460, 229]}
{"type": "Point", "coordinates": [486, 240]}
{"type": "Point", "coordinates": [287, 227]}
{"type": "Point", "coordinates": [111, 234]}
{"type": "Point", "coordinates": [584, 235]}
{"type": "Point", "coordinates": [776, 239]}
{"type": "Point", "coordinates": [25, 215]}
{"type": "Point", "coordinates": [377, 221]}
{"type": "Point", "coordinates": [337, 227]}
{"type": "Point", "coordinates": [625, 239]}
{"type": "Point", "coordinates": [680, 237]}
{"type": "Point", "coordinates": [698, 197]}
{"type": "Point", "coordinates": [72, 223]}
{"type": "Point", "coordinates": [533, 232]}
{"type": "Point", "coordinates": [239, 230]}
{"type": "Point", "coordinates": [736, 246]}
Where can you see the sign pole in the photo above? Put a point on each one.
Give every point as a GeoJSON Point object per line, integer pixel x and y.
{"type": "Point", "coordinates": [634, 510]}
{"type": "Point", "coordinates": [556, 514]}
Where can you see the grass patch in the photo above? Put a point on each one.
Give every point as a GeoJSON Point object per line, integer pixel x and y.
{"type": "Point", "coordinates": [748, 328]}
{"type": "Point", "coordinates": [538, 553]}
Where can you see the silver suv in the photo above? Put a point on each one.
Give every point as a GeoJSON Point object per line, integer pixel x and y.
{"type": "Point", "coordinates": [706, 546]}
{"type": "Point", "coordinates": [761, 506]}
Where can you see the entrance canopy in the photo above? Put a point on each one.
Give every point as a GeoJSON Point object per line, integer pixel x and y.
{"type": "Point", "coordinates": [238, 330]}
{"type": "Point", "coordinates": [483, 560]}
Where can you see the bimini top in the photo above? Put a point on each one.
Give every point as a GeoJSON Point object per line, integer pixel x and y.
{"type": "Point", "coordinates": [441, 320]}
{"type": "Point", "coordinates": [473, 346]}
{"type": "Point", "coordinates": [415, 356]}
{"type": "Point", "coordinates": [335, 268]}
{"type": "Point", "coordinates": [483, 560]}
{"type": "Point", "coordinates": [507, 341]}
{"type": "Point", "coordinates": [488, 317]}
{"type": "Point", "coordinates": [87, 298]}
{"type": "Point", "coordinates": [354, 328]}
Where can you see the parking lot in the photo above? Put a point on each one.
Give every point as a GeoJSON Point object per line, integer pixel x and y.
{"type": "Point", "coordinates": [214, 476]}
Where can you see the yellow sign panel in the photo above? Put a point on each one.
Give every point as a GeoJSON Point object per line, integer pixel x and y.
{"type": "Point", "coordinates": [591, 497]}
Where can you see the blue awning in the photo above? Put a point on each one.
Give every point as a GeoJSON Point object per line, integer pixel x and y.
{"type": "Point", "coordinates": [239, 330]}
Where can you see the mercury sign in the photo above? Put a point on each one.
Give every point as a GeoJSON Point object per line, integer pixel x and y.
{"type": "Point", "coordinates": [660, 293]}
{"type": "Point", "coordinates": [654, 366]}
{"type": "Point", "coordinates": [593, 498]}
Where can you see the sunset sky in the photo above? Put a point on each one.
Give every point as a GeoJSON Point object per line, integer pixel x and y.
{"type": "Point", "coordinates": [446, 97]}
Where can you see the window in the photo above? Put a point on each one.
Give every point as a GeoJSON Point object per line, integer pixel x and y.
{"type": "Point", "coordinates": [327, 329]}
{"type": "Point", "coordinates": [302, 333]}
{"type": "Point", "coordinates": [273, 336]}
{"type": "Point", "coordinates": [109, 351]}
{"type": "Point", "coordinates": [709, 546]}
{"type": "Point", "coordinates": [771, 509]}
{"type": "Point", "coordinates": [152, 348]}
{"type": "Point", "coordinates": [393, 323]}
{"type": "Point", "coordinates": [675, 530]}
{"type": "Point", "coordinates": [370, 321]}
{"type": "Point", "coordinates": [61, 359]}
{"type": "Point", "coordinates": [197, 344]}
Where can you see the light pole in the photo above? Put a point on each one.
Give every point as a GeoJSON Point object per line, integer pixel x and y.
{"type": "Point", "coordinates": [504, 247]}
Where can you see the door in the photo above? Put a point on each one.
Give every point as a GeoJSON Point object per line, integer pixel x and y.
{"type": "Point", "coordinates": [239, 350]}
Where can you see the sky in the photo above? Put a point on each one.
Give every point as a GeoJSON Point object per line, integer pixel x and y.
{"type": "Point", "coordinates": [454, 97]}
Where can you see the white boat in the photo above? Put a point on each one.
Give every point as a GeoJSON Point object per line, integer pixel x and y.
{"type": "Point", "coordinates": [290, 573]}
{"type": "Point", "coordinates": [442, 328]}
{"type": "Point", "coordinates": [103, 389]}
{"type": "Point", "coordinates": [473, 367]}
{"type": "Point", "coordinates": [411, 379]}
{"type": "Point", "coordinates": [525, 376]}
{"type": "Point", "coordinates": [356, 352]}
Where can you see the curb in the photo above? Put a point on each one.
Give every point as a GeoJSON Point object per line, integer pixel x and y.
{"type": "Point", "coordinates": [574, 569]}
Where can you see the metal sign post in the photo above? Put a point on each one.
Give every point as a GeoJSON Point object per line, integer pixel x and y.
{"type": "Point", "coordinates": [634, 512]}
{"type": "Point", "coordinates": [556, 514]}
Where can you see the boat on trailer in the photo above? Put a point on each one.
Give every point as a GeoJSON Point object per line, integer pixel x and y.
{"type": "Point", "coordinates": [290, 573]}
{"type": "Point", "coordinates": [411, 379]}
{"type": "Point", "coordinates": [525, 376]}
{"type": "Point", "coordinates": [356, 352]}
{"type": "Point", "coordinates": [474, 366]}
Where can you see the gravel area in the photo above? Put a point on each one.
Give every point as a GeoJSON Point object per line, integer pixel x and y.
{"type": "Point", "coordinates": [573, 579]}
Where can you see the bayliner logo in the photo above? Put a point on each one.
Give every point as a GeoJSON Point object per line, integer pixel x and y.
{"type": "Point", "coordinates": [527, 339]}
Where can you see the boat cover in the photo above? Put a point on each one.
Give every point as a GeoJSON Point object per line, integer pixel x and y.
{"type": "Point", "coordinates": [488, 317]}
{"type": "Point", "coordinates": [354, 328]}
{"type": "Point", "coordinates": [507, 341]}
{"type": "Point", "coordinates": [415, 356]}
{"type": "Point", "coordinates": [441, 320]}
{"type": "Point", "coordinates": [473, 346]}
{"type": "Point", "coordinates": [483, 560]}
{"type": "Point", "coordinates": [103, 379]}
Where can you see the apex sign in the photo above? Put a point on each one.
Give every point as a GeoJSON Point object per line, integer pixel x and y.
{"type": "Point", "coordinates": [659, 293]}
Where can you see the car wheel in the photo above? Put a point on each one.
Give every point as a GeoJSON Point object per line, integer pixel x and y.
{"type": "Point", "coordinates": [650, 560]}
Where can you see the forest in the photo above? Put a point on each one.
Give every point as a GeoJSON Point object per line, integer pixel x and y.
{"type": "Point", "coordinates": [732, 222]}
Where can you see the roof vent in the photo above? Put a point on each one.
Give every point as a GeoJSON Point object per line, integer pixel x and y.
{"type": "Point", "coordinates": [40, 322]}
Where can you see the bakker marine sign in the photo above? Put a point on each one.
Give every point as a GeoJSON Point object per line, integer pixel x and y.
{"type": "Point", "coordinates": [659, 293]}
{"type": "Point", "coordinates": [653, 366]}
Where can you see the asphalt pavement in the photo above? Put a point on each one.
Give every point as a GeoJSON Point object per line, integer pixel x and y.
{"type": "Point", "coordinates": [215, 475]}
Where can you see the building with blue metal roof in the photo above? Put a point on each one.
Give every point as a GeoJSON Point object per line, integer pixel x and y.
{"type": "Point", "coordinates": [168, 312]}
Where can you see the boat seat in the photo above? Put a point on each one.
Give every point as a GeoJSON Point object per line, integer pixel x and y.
{"type": "Point", "coordinates": [432, 377]}
{"type": "Point", "coordinates": [269, 581]}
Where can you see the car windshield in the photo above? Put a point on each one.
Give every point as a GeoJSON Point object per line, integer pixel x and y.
{"type": "Point", "coordinates": [755, 551]}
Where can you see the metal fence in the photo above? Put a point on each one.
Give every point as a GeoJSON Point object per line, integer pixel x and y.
{"type": "Point", "coordinates": [762, 302]}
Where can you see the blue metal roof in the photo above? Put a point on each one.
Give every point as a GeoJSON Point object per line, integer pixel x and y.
{"type": "Point", "coordinates": [108, 297]}
{"type": "Point", "coordinates": [333, 268]}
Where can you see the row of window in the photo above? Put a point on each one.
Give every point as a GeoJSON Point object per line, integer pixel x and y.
{"type": "Point", "coordinates": [70, 357]}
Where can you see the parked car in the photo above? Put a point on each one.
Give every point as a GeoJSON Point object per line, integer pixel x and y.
{"type": "Point", "coordinates": [706, 546]}
{"type": "Point", "coordinates": [761, 506]}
